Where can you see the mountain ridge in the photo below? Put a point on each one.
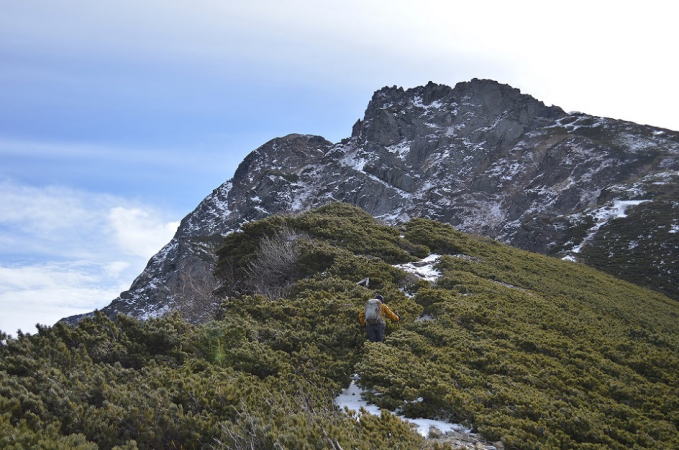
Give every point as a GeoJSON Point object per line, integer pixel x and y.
{"type": "Point", "coordinates": [481, 156]}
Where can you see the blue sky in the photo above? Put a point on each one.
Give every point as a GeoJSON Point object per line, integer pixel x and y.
{"type": "Point", "coordinates": [117, 118]}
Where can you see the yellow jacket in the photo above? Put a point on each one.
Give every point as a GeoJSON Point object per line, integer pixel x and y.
{"type": "Point", "coordinates": [384, 309]}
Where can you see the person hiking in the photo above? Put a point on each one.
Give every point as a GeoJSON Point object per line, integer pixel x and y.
{"type": "Point", "coordinates": [373, 318]}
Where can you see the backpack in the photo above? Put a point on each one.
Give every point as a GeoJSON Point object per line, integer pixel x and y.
{"type": "Point", "coordinates": [373, 311]}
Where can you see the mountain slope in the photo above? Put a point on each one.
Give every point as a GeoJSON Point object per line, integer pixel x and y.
{"type": "Point", "coordinates": [480, 156]}
{"type": "Point", "coordinates": [526, 349]}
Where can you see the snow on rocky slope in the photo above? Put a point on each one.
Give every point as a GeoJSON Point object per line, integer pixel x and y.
{"type": "Point", "coordinates": [481, 156]}
{"type": "Point", "coordinates": [425, 269]}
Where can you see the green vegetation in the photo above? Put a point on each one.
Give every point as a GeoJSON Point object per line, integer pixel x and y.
{"type": "Point", "coordinates": [527, 349]}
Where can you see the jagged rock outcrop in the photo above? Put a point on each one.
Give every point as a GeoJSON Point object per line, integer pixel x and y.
{"type": "Point", "coordinates": [481, 156]}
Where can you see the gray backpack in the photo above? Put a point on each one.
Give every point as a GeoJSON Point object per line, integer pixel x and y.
{"type": "Point", "coordinates": [373, 312]}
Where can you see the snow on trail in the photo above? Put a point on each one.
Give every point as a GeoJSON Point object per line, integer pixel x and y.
{"type": "Point", "coordinates": [423, 425]}
{"type": "Point", "coordinates": [424, 268]}
{"type": "Point", "coordinates": [352, 399]}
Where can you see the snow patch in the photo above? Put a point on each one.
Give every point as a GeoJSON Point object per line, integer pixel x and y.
{"type": "Point", "coordinates": [401, 149]}
{"type": "Point", "coordinates": [354, 162]}
{"type": "Point", "coordinates": [576, 120]}
{"type": "Point", "coordinates": [636, 143]}
{"type": "Point", "coordinates": [352, 399]}
{"type": "Point", "coordinates": [417, 101]}
{"type": "Point", "coordinates": [300, 197]}
{"type": "Point", "coordinates": [617, 210]}
{"type": "Point", "coordinates": [481, 215]}
{"type": "Point", "coordinates": [398, 216]}
{"type": "Point", "coordinates": [674, 229]}
{"type": "Point", "coordinates": [424, 268]}
{"type": "Point", "coordinates": [153, 314]}
{"type": "Point", "coordinates": [423, 425]}
{"type": "Point", "coordinates": [504, 170]}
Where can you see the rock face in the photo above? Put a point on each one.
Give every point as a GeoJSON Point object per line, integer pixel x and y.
{"type": "Point", "coordinates": [481, 156]}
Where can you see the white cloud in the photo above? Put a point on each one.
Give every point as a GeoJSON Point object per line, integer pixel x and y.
{"type": "Point", "coordinates": [45, 276]}
{"type": "Point", "coordinates": [48, 210]}
{"type": "Point", "coordinates": [44, 293]}
{"type": "Point", "coordinates": [89, 246]}
{"type": "Point", "coordinates": [115, 268]}
{"type": "Point", "coordinates": [139, 232]}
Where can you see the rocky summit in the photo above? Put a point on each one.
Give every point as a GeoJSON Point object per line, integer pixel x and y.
{"type": "Point", "coordinates": [480, 156]}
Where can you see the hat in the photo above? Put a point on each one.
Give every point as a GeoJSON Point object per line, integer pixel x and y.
{"type": "Point", "coordinates": [379, 297]}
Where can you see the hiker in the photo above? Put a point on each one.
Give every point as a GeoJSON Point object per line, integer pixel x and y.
{"type": "Point", "coordinates": [373, 318]}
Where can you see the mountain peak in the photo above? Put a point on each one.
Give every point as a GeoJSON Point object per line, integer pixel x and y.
{"type": "Point", "coordinates": [474, 89]}
{"type": "Point", "coordinates": [484, 83]}
{"type": "Point", "coordinates": [291, 150]}
{"type": "Point", "coordinates": [394, 113]}
{"type": "Point", "coordinates": [480, 156]}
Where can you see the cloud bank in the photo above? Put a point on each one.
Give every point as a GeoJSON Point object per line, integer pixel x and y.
{"type": "Point", "coordinates": [65, 251]}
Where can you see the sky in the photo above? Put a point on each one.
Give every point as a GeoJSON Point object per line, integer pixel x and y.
{"type": "Point", "coordinates": [118, 117]}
